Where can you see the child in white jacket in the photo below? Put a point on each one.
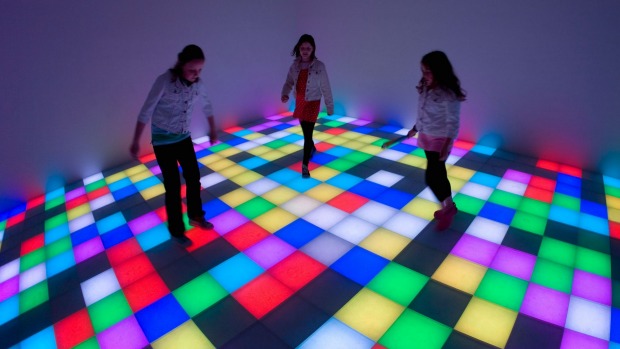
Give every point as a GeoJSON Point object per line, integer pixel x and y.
{"type": "Point", "coordinates": [439, 108]}
{"type": "Point", "coordinates": [309, 77]}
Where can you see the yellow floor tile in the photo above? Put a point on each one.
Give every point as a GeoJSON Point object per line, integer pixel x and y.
{"type": "Point", "coordinates": [487, 322]}
{"type": "Point", "coordinates": [188, 335]}
{"type": "Point", "coordinates": [385, 243]}
{"type": "Point", "coordinates": [275, 219]}
{"type": "Point", "coordinates": [323, 192]}
{"type": "Point", "coordinates": [370, 313]}
{"type": "Point", "coordinates": [460, 274]}
{"type": "Point", "coordinates": [421, 208]}
{"type": "Point", "coordinates": [237, 197]}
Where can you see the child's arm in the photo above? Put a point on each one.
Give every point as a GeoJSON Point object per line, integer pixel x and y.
{"type": "Point", "coordinates": [288, 85]}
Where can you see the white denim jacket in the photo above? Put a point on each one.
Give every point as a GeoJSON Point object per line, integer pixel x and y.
{"type": "Point", "coordinates": [438, 113]}
{"type": "Point", "coordinates": [317, 85]}
{"type": "Point", "coordinates": [170, 103]}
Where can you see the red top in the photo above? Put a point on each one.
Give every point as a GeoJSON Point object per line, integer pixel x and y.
{"type": "Point", "coordinates": [305, 110]}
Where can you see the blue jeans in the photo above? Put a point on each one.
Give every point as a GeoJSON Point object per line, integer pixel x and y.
{"type": "Point", "coordinates": [167, 157]}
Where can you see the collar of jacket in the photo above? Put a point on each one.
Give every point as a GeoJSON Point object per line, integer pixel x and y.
{"type": "Point", "coordinates": [298, 62]}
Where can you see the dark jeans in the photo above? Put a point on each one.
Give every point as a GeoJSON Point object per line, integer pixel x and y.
{"type": "Point", "coordinates": [167, 157]}
{"type": "Point", "coordinates": [436, 176]}
{"type": "Point", "coordinates": [307, 127]}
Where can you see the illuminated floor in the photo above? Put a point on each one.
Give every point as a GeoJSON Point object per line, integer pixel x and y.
{"type": "Point", "coordinates": [347, 259]}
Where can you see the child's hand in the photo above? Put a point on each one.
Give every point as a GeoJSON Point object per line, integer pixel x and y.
{"type": "Point", "coordinates": [284, 99]}
{"type": "Point", "coordinates": [212, 136]}
{"type": "Point", "coordinates": [134, 150]}
{"type": "Point", "coordinates": [411, 133]}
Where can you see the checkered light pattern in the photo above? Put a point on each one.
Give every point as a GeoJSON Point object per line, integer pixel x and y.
{"type": "Point", "coordinates": [346, 259]}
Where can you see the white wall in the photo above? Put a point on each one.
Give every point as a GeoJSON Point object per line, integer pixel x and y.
{"type": "Point", "coordinates": [542, 77]}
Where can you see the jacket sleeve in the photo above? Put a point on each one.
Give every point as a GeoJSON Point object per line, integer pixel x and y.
{"type": "Point", "coordinates": [452, 110]}
{"type": "Point", "coordinates": [152, 98]}
{"type": "Point", "coordinates": [207, 107]}
{"type": "Point", "coordinates": [290, 81]}
{"type": "Point", "coordinates": [326, 90]}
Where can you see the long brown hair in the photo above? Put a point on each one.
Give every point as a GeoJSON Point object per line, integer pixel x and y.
{"type": "Point", "coordinates": [443, 74]}
{"type": "Point", "coordinates": [189, 53]}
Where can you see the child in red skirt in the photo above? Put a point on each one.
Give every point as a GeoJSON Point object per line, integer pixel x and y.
{"type": "Point", "coordinates": [309, 77]}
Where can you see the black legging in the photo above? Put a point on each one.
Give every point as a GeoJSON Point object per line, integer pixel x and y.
{"type": "Point", "coordinates": [307, 127]}
{"type": "Point", "coordinates": [168, 157]}
{"type": "Point", "coordinates": [436, 176]}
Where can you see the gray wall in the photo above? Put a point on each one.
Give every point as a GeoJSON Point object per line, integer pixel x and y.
{"type": "Point", "coordinates": [542, 77]}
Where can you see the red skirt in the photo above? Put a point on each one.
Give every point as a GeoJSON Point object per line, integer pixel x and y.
{"type": "Point", "coordinates": [305, 110]}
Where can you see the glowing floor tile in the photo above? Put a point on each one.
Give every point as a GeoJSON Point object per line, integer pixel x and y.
{"type": "Point", "coordinates": [232, 171]}
{"type": "Point", "coordinates": [391, 154]}
{"type": "Point", "coordinates": [235, 272]}
{"type": "Point", "coordinates": [327, 248]}
{"type": "Point", "coordinates": [237, 197]}
{"type": "Point", "coordinates": [301, 205]}
{"type": "Point", "coordinates": [514, 262]}
{"type": "Point", "coordinates": [477, 190]}
{"type": "Point", "coordinates": [269, 251]}
{"type": "Point", "coordinates": [155, 326]}
{"type": "Point", "coordinates": [44, 339]}
{"type": "Point", "coordinates": [228, 221]}
{"type": "Point", "coordinates": [460, 274]}
{"type": "Point", "coordinates": [73, 330]}
{"type": "Point", "coordinates": [325, 216]}
{"type": "Point", "coordinates": [428, 332]}
{"type": "Point", "coordinates": [558, 251]}
{"type": "Point", "coordinates": [576, 340]}
{"type": "Point", "coordinates": [211, 179]}
{"type": "Point", "coordinates": [81, 221]}
{"type": "Point", "coordinates": [502, 289]}
{"type": "Point", "coordinates": [262, 186]}
{"type": "Point", "coordinates": [9, 270]}
{"type": "Point", "coordinates": [398, 283]}
{"type": "Point", "coordinates": [385, 243]}
{"type": "Point", "coordinates": [369, 313]}
{"type": "Point", "coordinates": [592, 287]}
{"type": "Point", "coordinates": [109, 311]}
{"type": "Point", "coordinates": [324, 192]}
{"type": "Point", "coordinates": [296, 270]}
{"type": "Point", "coordinates": [187, 335]}
{"type": "Point", "coordinates": [414, 161]}
{"type": "Point", "coordinates": [275, 219]}
{"type": "Point", "coordinates": [88, 249]}
{"type": "Point", "coordinates": [99, 286]}
{"type": "Point", "coordinates": [475, 249]}
{"type": "Point", "coordinates": [336, 335]}
{"type": "Point", "coordinates": [385, 178]}
{"type": "Point", "coordinates": [101, 202]}
{"type": "Point", "coordinates": [353, 229]}
{"type": "Point", "coordinates": [421, 208]}
{"type": "Point", "coordinates": [487, 229]}
{"type": "Point", "coordinates": [262, 295]}
{"type": "Point", "coordinates": [32, 277]}
{"type": "Point", "coordinates": [324, 173]}
{"type": "Point", "coordinates": [406, 224]}
{"type": "Point", "coordinates": [545, 304]}
{"type": "Point", "coordinates": [427, 194]}
{"type": "Point", "coordinates": [487, 322]}
{"type": "Point", "coordinates": [220, 165]}
{"type": "Point", "coordinates": [9, 288]}
{"type": "Point", "coordinates": [59, 263]}
{"type": "Point", "coordinates": [280, 195]}
{"type": "Point", "coordinates": [593, 261]}
{"type": "Point", "coordinates": [588, 317]}
{"type": "Point", "coordinates": [199, 294]}
{"type": "Point", "coordinates": [375, 213]}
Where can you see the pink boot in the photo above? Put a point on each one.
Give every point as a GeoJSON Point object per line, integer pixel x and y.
{"type": "Point", "coordinates": [445, 216]}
